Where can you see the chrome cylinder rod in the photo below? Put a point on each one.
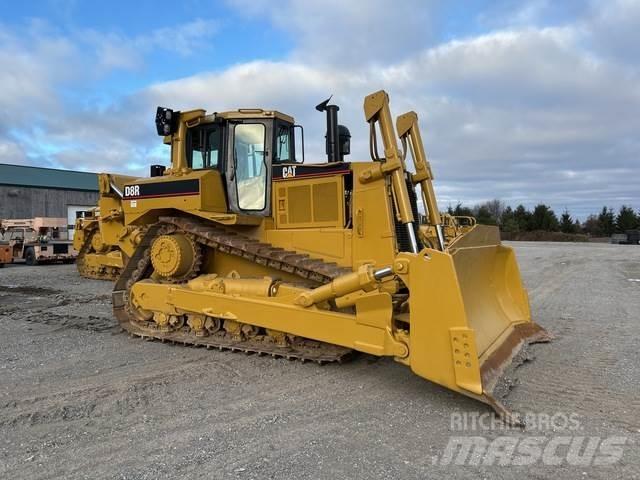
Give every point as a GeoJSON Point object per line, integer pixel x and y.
{"type": "Point", "coordinates": [412, 237]}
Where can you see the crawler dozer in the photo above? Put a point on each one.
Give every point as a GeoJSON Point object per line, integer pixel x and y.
{"type": "Point", "coordinates": [96, 258]}
{"type": "Point", "coordinates": [453, 226]}
{"type": "Point", "coordinates": [241, 245]}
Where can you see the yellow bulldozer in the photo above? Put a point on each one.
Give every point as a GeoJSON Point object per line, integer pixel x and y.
{"type": "Point", "coordinates": [96, 259]}
{"type": "Point", "coordinates": [240, 245]}
{"type": "Point", "coordinates": [100, 261]}
{"type": "Point", "coordinates": [452, 226]}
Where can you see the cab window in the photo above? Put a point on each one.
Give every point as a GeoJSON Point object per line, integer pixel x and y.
{"type": "Point", "coordinates": [204, 147]}
{"type": "Point", "coordinates": [250, 168]}
{"type": "Point", "coordinates": [284, 143]}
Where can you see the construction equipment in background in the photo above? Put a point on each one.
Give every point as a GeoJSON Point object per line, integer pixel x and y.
{"type": "Point", "coordinates": [436, 229]}
{"type": "Point", "coordinates": [38, 240]}
{"type": "Point", "coordinates": [5, 252]}
{"type": "Point", "coordinates": [630, 237]}
{"type": "Point", "coordinates": [452, 225]}
{"type": "Point", "coordinates": [96, 259]}
{"type": "Point", "coordinates": [456, 225]}
{"type": "Point", "coordinates": [240, 245]}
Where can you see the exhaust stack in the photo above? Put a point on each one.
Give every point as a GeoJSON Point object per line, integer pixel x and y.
{"type": "Point", "coordinates": [338, 137]}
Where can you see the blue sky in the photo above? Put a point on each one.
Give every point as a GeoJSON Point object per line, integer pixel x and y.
{"type": "Point", "coordinates": [251, 37]}
{"type": "Point", "coordinates": [528, 101]}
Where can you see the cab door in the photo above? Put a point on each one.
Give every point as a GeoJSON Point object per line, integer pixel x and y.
{"type": "Point", "coordinates": [248, 169]}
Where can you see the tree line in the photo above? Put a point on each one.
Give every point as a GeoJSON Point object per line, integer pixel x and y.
{"type": "Point", "coordinates": [543, 218]}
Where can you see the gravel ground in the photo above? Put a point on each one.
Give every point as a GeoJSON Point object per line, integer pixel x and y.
{"type": "Point", "coordinates": [80, 399]}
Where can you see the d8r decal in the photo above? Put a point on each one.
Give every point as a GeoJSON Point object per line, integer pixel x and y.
{"type": "Point", "coordinates": [132, 191]}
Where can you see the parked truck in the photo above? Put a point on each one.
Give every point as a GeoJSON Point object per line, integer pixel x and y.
{"type": "Point", "coordinates": [630, 237]}
{"type": "Point", "coordinates": [37, 240]}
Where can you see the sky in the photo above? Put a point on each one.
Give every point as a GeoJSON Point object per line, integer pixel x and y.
{"type": "Point", "coordinates": [531, 101]}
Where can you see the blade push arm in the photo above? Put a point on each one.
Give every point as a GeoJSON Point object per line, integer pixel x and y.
{"type": "Point", "coordinates": [407, 126]}
{"type": "Point", "coordinates": [376, 110]}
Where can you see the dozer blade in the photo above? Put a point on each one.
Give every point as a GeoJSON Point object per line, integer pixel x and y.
{"type": "Point", "coordinates": [469, 316]}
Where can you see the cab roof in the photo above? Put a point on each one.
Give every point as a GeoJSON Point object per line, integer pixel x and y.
{"type": "Point", "coordinates": [243, 113]}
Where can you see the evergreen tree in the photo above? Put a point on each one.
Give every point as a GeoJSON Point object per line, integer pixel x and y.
{"type": "Point", "coordinates": [626, 219]}
{"type": "Point", "coordinates": [522, 217]}
{"type": "Point", "coordinates": [508, 221]}
{"type": "Point", "coordinates": [607, 221]}
{"type": "Point", "coordinates": [543, 218]}
{"type": "Point", "coordinates": [567, 224]}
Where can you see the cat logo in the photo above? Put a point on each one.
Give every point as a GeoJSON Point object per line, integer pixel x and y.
{"type": "Point", "coordinates": [289, 172]}
{"type": "Point", "coordinates": [132, 191]}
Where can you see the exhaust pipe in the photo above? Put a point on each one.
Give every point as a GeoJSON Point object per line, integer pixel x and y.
{"type": "Point", "coordinates": [338, 138]}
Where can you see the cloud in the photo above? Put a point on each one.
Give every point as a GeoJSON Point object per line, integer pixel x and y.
{"type": "Point", "coordinates": [505, 14]}
{"type": "Point", "coordinates": [524, 112]}
{"type": "Point", "coordinates": [525, 115]}
{"type": "Point", "coordinates": [32, 64]}
{"type": "Point", "coordinates": [613, 29]}
{"type": "Point", "coordinates": [46, 116]}
{"type": "Point", "coordinates": [348, 34]}
{"type": "Point", "coordinates": [12, 152]}
{"type": "Point", "coordinates": [184, 39]}
{"type": "Point", "coordinates": [117, 51]}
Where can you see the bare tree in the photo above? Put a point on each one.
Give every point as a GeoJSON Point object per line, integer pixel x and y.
{"type": "Point", "coordinates": [491, 209]}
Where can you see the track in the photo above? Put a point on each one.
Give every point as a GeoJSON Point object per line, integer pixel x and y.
{"type": "Point", "coordinates": [107, 273]}
{"type": "Point", "coordinates": [217, 238]}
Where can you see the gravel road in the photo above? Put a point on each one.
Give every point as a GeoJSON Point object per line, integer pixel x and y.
{"type": "Point", "coordinates": [80, 399]}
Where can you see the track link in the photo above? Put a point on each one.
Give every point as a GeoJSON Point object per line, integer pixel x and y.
{"type": "Point", "coordinates": [219, 238]}
{"type": "Point", "coordinates": [305, 350]}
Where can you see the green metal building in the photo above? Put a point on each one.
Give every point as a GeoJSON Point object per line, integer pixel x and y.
{"type": "Point", "coordinates": [27, 192]}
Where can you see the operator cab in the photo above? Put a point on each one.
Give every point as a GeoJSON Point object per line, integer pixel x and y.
{"type": "Point", "coordinates": [243, 146]}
